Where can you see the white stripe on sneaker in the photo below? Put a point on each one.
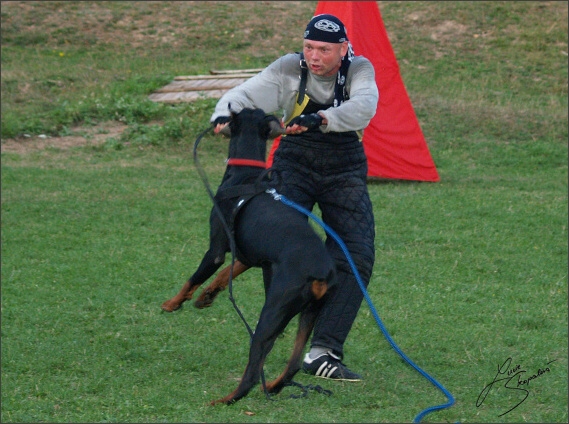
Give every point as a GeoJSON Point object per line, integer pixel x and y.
{"type": "Point", "coordinates": [326, 370]}
{"type": "Point", "coordinates": [329, 374]}
{"type": "Point", "coordinates": [321, 369]}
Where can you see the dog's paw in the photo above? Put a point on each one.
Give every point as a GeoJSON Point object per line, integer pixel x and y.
{"type": "Point", "coordinates": [205, 300]}
{"type": "Point", "coordinates": [226, 401]}
{"type": "Point", "coordinates": [274, 387]}
{"type": "Point", "coordinates": [171, 306]}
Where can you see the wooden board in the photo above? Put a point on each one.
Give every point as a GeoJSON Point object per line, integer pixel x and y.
{"type": "Point", "coordinates": [193, 87]}
{"type": "Point", "coordinates": [236, 71]}
{"type": "Point", "coordinates": [213, 77]}
{"type": "Point", "coordinates": [185, 96]}
{"type": "Point", "coordinates": [201, 85]}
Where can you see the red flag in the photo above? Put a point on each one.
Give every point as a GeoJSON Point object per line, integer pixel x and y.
{"type": "Point", "coordinates": [393, 141]}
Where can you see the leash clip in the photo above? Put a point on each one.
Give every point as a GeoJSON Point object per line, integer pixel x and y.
{"type": "Point", "coordinates": [273, 193]}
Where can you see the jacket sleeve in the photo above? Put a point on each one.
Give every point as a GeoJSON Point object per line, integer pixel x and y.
{"type": "Point", "coordinates": [355, 113]}
{"type": "Point", "coordinates": [268, 90]}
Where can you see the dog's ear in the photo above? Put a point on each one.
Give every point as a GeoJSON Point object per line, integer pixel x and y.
{"type": "Point", "coordinates": [275, 126]}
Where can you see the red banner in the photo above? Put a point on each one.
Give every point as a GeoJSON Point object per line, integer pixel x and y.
{"type": "Point", "coordinates": [393, 141]}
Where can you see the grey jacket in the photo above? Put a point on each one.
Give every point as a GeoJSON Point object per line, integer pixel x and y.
{"type": "Point", "coordinates": [275, 89]}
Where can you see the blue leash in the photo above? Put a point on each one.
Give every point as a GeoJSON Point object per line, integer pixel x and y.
{"type": "Point", "coordinates": [332, 233]}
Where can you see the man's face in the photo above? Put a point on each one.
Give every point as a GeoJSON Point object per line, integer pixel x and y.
{"type": "Point", "coordinates": [324, 59]}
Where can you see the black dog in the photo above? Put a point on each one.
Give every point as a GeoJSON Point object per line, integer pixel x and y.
{"type": "Point", "coordinates": [297, 269]}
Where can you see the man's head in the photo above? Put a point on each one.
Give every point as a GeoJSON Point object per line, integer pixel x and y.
{"type": "Point", "coordinates": [325, 44]}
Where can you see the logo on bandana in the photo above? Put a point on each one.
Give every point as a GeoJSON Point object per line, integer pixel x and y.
{"type": "Point", "coordinates": [326, 25]}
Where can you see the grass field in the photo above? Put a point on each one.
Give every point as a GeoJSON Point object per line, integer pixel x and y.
{"type": "Point", "coordinates": [104, 217]}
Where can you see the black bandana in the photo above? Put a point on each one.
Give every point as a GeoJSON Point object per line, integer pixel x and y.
{"type": "Point", "coordinates": [326, 28]}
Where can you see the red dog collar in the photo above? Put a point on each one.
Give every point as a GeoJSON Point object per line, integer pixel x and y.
{"type": "Point", "coordinates": [246, 162]}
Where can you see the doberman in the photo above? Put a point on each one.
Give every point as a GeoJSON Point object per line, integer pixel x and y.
{"type": "Point", "coordinates": [298, 272]}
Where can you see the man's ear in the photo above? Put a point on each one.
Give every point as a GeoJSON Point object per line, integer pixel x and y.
{"type": "Point", "coordinates": [344, 48]}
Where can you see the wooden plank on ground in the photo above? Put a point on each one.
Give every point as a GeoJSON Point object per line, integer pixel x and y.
{"type": "Point", "coordinates": [193, 87]}
{"type": "Point", "coordinates": [235, 71]}
{"type": "Point", "coordinates": [185, 96]}
{"type": "Point", "coordinates": [201, 85]}
{"type": "Point", "coordinates": [204, 77]}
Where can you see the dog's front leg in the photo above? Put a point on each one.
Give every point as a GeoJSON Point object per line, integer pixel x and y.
{"type": "Point", "coordinates": [210, 263]}
{"type": "Point", "coordinates": [219, 284]}
{"type": "Point", "coordinates": [185, 293]}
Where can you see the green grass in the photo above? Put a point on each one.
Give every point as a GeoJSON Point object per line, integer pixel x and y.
{"type": "Point", "coordinates": [470, 270]}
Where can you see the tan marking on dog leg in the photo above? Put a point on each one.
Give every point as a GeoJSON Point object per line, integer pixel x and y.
{"type": "Point", "coordinates": [219, 284]}
{"type": "Point", "coordinates": [186, 293]}
{"type": "Point", "coordinates": [305, 327]}
{"type": "Point", "coordinates": [319, 288]}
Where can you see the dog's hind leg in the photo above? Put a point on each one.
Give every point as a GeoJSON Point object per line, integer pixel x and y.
{"type": "Point", "coordinates": [219, 284]}
{"type": "Point", "coordinates": [305, 327]}
{"type": "Point", "coordinates": [250, 378]}
{"type": "Point", "coordinates": [274, 318]}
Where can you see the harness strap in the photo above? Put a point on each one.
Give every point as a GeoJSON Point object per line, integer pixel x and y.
{"type": "Point", "coordinates": [299, 108]}
{"type": "Point", "coordinates": [238, 196]}
{"type": "Point", "coordinates": [249, 189]}
{"type": "Point", "coordinates": [303, 79]}
{"type": "Point", "coordinates": [239, 191]}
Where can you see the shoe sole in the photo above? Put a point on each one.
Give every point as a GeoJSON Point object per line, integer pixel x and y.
{"type": "Point", "coordinates": [333, 379]}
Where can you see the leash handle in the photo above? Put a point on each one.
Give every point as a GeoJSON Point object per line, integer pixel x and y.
{"type": "Point", "coordinates": [397, 349]}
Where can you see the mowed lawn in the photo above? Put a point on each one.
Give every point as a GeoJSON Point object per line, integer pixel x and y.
{"type": "Point", "coordinates": [105, 216]}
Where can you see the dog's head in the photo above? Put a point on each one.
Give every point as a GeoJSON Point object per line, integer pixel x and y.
{"type": "Point", "coordinates": [268, 127]}
{"type": "Point", "coordinates": [250, 129]}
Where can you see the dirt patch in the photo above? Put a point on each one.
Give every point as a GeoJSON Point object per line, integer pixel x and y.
{"type": "Point", "coordinates": [448, 30]}
{"type": "Point", "coordinates": [81, 136]}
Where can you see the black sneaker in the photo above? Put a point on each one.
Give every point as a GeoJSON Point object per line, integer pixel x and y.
{"type": "Point", "coordinates": [329, 365]}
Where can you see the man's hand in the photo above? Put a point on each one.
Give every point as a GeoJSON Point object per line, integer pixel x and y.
{"type": "Point", "coordinates": [220, 123]}
{"type": "Point", "coordinates": [304, 123]}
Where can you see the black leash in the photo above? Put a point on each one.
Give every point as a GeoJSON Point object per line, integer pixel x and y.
{"type": "Point", "coordinates": [305, 390]}
{"type": "Point", "coordinates": [232, 246]}
{"type": "Point", "coordinates": [226, 228]}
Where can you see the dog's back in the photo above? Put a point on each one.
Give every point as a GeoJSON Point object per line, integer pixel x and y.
{"type": "Point", "coordinates": [269, 231]}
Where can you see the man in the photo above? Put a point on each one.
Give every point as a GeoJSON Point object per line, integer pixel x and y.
{"type": "Point", "coordinates": [326, 95]}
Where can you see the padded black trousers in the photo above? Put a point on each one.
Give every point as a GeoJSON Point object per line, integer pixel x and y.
{"type": "Point", "coordinates": [331, 170]}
